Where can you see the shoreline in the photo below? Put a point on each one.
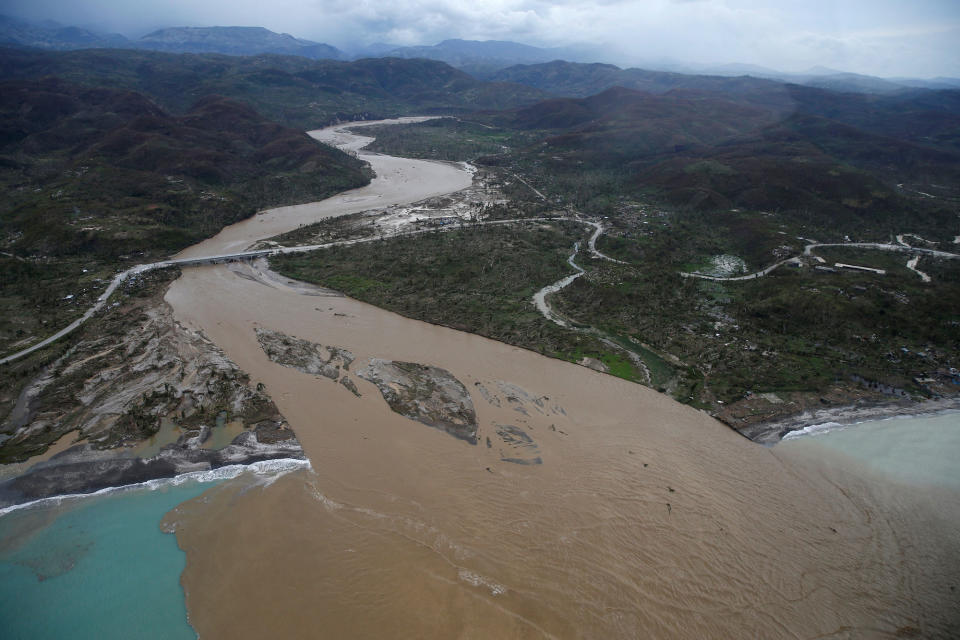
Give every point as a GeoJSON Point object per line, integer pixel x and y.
{"type": "Point", "coordinates": [278, 466]}
{"type": "Point", "coordinates": [771, 433]}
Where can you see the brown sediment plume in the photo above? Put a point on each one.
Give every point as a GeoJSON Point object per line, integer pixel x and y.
{"type": "Point", "coordinates": [644, 518]}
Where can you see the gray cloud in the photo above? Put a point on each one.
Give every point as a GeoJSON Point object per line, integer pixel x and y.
{"type": "Point", "coordinates": [883, 37]}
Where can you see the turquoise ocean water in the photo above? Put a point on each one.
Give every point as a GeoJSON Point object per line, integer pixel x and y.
{"type": "Point", "coordinates": [101, 569]}
{"type": "Point", "coordinates": [99, 566]}
{"type": "Point", "coordinates": [921, 450]}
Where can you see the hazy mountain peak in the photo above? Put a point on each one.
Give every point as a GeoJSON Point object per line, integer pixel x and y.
{"type": "Point", "coordinates": [820, 70]}
{"type": "Point", "coordinates": [234, 40]}
{"type": "Point", "coordinates": [52, 35]}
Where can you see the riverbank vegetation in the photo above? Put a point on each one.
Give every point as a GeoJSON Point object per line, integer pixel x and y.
{"type": "Point", "coordinates": [98, 179]}
{"type": "Point", "coordinates": [480, 280]}
{"type": "Point", "coordinates": [748, 350]}
{"type": "Point", "coordinates": [63, 384]}
{"type": "Point", "coordinates": [452, 139]}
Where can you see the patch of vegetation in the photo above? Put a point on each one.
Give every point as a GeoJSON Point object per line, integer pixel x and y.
{"type": "Point", "coordinates": [347, 227]}
{"type": "Point", "coordinates": [794, 330]}
{"type": "Point", "coordinates": [453, 139]}
{"type": "Point", "coordinates": [480, 280]}
{"type": "Point", "coordinates": [96, 180]}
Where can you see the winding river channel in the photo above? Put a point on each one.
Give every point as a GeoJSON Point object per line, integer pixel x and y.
{"type": "Point", "coordinates": [645, 519]}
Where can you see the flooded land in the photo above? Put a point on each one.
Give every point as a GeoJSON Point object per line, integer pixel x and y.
{"type": "Point", "coordinates": [579, 505]}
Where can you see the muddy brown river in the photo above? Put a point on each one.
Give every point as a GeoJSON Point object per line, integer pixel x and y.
{"type": "Point", "coordinates": [646, 518]}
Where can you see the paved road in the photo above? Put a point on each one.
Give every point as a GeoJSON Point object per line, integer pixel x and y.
{"type": "Point", "coordinates": [808, 250]}
{"type": "Point", "coordinates": [250, 255]}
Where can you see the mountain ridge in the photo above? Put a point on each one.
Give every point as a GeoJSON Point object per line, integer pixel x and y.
{"type": "Point", "coordinates": [238, 41]}
{"type": "Point", "coordinates": [484, 59]}
{"type": "Point", "coordinates": [290, 89]}
{"type": "Point", "coordinates": [235, 41]}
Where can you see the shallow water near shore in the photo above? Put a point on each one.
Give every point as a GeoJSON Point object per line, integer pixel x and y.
{"type": "Point", "coordinates": [97, 567]}
{"type": "Point", "coordinates": [916, 450]}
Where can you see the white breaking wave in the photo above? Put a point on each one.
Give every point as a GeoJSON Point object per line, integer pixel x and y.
{"type": "Point", "coordinates": [815, 430]}
{"type": "Point", "coordinates": [826, 427]}
{"type": "Point", "coordinates": [273, 468]}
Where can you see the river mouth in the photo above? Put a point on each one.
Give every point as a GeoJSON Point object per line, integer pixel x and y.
{"type": "Point", "coordinates": [644, 517]}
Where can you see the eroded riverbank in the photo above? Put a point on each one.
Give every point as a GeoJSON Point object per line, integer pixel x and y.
{"type": "Point", "coordinates": [644, 518]}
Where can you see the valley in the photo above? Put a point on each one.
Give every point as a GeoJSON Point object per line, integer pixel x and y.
{"type": "Point", "coordinates": [503, 359]}
{"type": "Point", "coordinates": [429, 531]}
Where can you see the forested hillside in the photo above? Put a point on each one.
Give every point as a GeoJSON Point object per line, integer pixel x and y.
{"type": "Point", "coordinates": [98, 178]}
{"type": "Point", "coordinates": [296, 91]}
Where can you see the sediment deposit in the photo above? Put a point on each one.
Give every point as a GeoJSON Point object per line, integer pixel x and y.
{"type": "Point", "coordinates": [645, 518]}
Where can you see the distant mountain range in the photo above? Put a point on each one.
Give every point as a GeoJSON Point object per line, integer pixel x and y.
{"type": "Point", "coordinates": [235, 41]}
{"type": "Point", "coordinates": [833, 79]}
{"type": "Point", "coordinates": [289, 89]}
{"type": "Point", "coordinates": [49, 35]}
{"type": "Point", "coordinates": [495, 59]}
{"type": "Point", "coordinates": [549, 69]}
{"type": "Point", "coordinates": [579, 80]}
{"type": "Point", "coordinates": [240, 41]}
{"type": "Point", "coordinates": [482, 58]}
{"type": "Point", "coordinates": [837, 157]}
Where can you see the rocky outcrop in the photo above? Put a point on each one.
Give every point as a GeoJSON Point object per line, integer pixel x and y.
{"type": "Point", "coordinates": [520, 447]}
{"type": "Point", "coordinates": [303, 355]}
{"type": "Point", "coordinates": [351, 385]}
{"type": "Point", "coordinates": [429, 395]}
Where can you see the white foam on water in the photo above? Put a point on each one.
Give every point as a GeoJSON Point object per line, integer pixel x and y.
{"type": "Point", "coordinates": [331, 505]}
{"type": "Point", "coordinates": [479, 581]}
{"type": "Point", "coordinates": [273, 468]}
{"type": "Point", "coordinates": [826, 427]}
{"type": "Point", "coordinates": [815, 430]}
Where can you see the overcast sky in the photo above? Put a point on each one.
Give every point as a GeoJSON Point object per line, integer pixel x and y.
{"type": "Point", "coordinates": [881, 37]}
